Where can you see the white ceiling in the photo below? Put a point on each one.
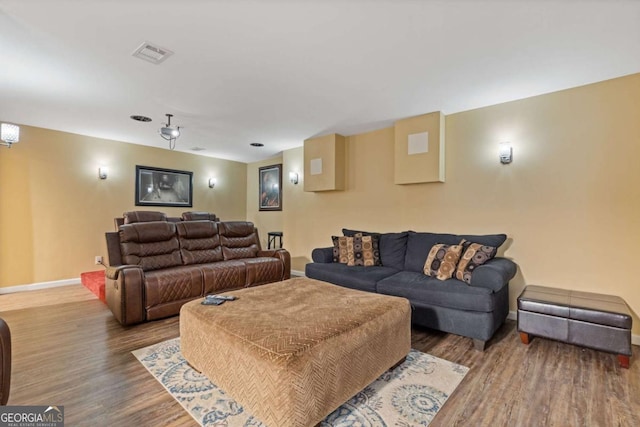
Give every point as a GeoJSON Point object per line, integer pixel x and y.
{"type": "Point", "coordinates": [278, 72]}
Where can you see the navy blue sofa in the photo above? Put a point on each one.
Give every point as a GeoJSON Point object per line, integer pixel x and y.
{"type": "Point", "coordinates": [474, 310]}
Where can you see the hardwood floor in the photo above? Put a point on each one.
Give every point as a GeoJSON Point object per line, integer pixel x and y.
{"type": "Point", "coordinates": [68, 350]}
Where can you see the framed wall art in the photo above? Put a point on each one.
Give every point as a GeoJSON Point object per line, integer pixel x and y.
{"type": "Point", "coordinates": [163, 187]}
{"type": "Point", "coordinates": [270, 188]}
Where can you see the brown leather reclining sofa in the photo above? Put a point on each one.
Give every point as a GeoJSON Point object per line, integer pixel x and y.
{"type": "Point", "coordinates": [157, 266]}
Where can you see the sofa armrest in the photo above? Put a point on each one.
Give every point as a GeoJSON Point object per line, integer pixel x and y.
{"type": "Point", "coordinates": [324, 255]}
{"type": "Point", "coordinates": [284, 256]}
{"type": "Point", "coordinates": [114, 272]}
{"type": "Point", "coordinates": [124, 293]}
{"type": "Point", "coordinates": [494, 274]}
{"type": "Point", "coordinates": [5, 362]}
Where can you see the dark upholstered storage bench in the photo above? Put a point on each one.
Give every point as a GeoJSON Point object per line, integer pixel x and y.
{"type": "Point", "coordinates": [601, 322]}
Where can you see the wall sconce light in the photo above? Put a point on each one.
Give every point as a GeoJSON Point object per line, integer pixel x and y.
{"type": "Point", "coordinates": [506, 152]}
{"type": "Point", "coordinates": [9, 134]}
{"type": "Point", "coordinates": [103, 172]}
{"type": "Point", "coordinates": [293, 177]}
{"type": "Point", "coordinates": [212, 182]}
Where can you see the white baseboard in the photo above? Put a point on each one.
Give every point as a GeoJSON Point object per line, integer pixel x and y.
{"type": "Point", "coordinates": [41, 285]}
{"type": "Point", "coordinates": [297, 273]}
{"type": "Point", "coordinates": [635, 339]}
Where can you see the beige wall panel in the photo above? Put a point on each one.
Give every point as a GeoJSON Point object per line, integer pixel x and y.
{"type": "Point", "coordinates": [330, 149]}
{"type": "Point", "coordinates": [570, 201]}
{"type": "Point", "coordinates": [265, 221]}
{"type": "Point", "coordinates": [421, 167]}
{"type": "Point", "coordinates": [54, 210]}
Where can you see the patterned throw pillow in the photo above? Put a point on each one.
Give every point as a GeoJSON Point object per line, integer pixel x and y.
{"type": "Point", "coordinates": [356, 250]}
{"type": "Point", "coordinates": [366, 250]}
{"type": "Point", "coordinates": [474, 256]}
{"type": "Point", "coordinates": [343, 250]}
{"type": "Point", "coordinates": [442, 260]}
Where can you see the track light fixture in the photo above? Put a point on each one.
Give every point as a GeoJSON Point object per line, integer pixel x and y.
{"type": "Point", "coordinates": [169, 132]}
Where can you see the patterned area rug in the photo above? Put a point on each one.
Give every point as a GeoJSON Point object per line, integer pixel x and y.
{"type": "Point", "coordinates": [409, 395]}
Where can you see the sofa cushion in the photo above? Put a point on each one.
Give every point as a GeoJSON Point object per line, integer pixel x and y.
{"type": "Point", "coordinates": [199, 242]}
{"type": "Point", "coordinates": [442, 260]}
{"type": "Point", "coordinates": [392, 247]}
{"type": "Point", "coordinates": [151, 245]}
{"type": "Point", "coordinates": [199, 216]}
{"type": "Point", "coordinates": [450, 293]}
{"type": "Point", "coordinates": [419, 245]}
{"type": "Point", "coordinates": [261, 270]}
{"type": "Point", "coordinates": [238, 239]}
{"type": "Point", "coordinates": [172, 284]}
{"type": "Point", "coordinates": [132, 217]}
{"type": "Point", "coordinates": [223, 275]}
{"type": "Point", "coordinates": [474, 255]}
{"type": "Point", "coordinates": [362, 278]}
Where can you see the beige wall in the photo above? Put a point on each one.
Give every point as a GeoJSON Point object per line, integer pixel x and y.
{"type": "Point", "coordinates": [570, 201]}
{"type": "Point", "coordinates": [265, 221]}
{"type": "Point", "coordinates": [54, 210]}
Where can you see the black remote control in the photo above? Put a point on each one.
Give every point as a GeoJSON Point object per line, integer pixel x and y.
{"type": "Point", "coordinates": [212, 301]}
{"type": "Point", "coordinates": [222, 297]}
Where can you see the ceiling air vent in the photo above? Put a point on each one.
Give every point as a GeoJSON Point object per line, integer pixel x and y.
{"type": "Point", "coordinates": [198, 149]}
{"type": "Point", "coordinates": [152, 53]}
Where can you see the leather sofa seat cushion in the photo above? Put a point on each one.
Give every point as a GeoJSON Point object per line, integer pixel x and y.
{"type": "Point", "coordinates": [173, 284]}
{"type": "Point", "coordinates": [361, 278]}
{"type": "Point", "coordinates": [223, 275]}
{"type": "Point", "coordinates": [151, 245]}
{"type": "Point", "coordinates": [419, 245]}
{"type": "Point", "coordinates": [199, 242]}
{"type": "Point", "coordinates": [238, 239]}
{"type": "Point", "coordinates": [450, 293]}
{"type": "Point", "coordinates": [143, 216]}
{"type": "Point", "coordinates": [262, 270]}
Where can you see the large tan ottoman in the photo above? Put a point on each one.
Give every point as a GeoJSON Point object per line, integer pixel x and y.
{"type": "Point", "coordinates": [291, 352]}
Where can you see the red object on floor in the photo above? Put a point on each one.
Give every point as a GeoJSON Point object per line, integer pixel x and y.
{"type": "Point", "coordinates": [94, 281]}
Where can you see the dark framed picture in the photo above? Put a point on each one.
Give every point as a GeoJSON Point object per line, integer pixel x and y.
{"type": "Point", "coordinates": [270, 188]}
{"type": "Point", "coordinates": [163, 187]}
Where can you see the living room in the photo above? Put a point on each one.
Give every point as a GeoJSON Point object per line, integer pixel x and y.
{"type": "Point", "coordinates": [570, 192]}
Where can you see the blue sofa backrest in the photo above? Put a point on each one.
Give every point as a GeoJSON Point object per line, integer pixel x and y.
{"type": "Point", "coordinates": [408, 250]}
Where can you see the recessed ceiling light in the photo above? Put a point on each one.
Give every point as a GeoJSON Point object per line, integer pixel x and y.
{"type": "Point", "coordinates": [256, 144]}
{"type": "Point", "coordinates": [141, 118]}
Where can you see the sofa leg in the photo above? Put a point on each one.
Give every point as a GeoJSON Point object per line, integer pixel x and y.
{"type": "Point", "coordinates": [624, 361]}
{"type": "Point", "coordinates": [479, 344]}
{"type": "Point", "coordinates": [524, 337]}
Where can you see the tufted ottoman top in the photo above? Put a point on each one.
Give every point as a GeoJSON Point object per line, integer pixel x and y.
{"type": "Point", "coordinates": [293, 351]}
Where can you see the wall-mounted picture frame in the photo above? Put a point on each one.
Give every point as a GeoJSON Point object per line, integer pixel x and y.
{"type": "Point", "coordinates": [163, 187]}
{"type": "Point", "coordinates": [270, 188]}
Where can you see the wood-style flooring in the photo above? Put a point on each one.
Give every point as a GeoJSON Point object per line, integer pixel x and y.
{"type": "Point", "coordinates": [68, 350]}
